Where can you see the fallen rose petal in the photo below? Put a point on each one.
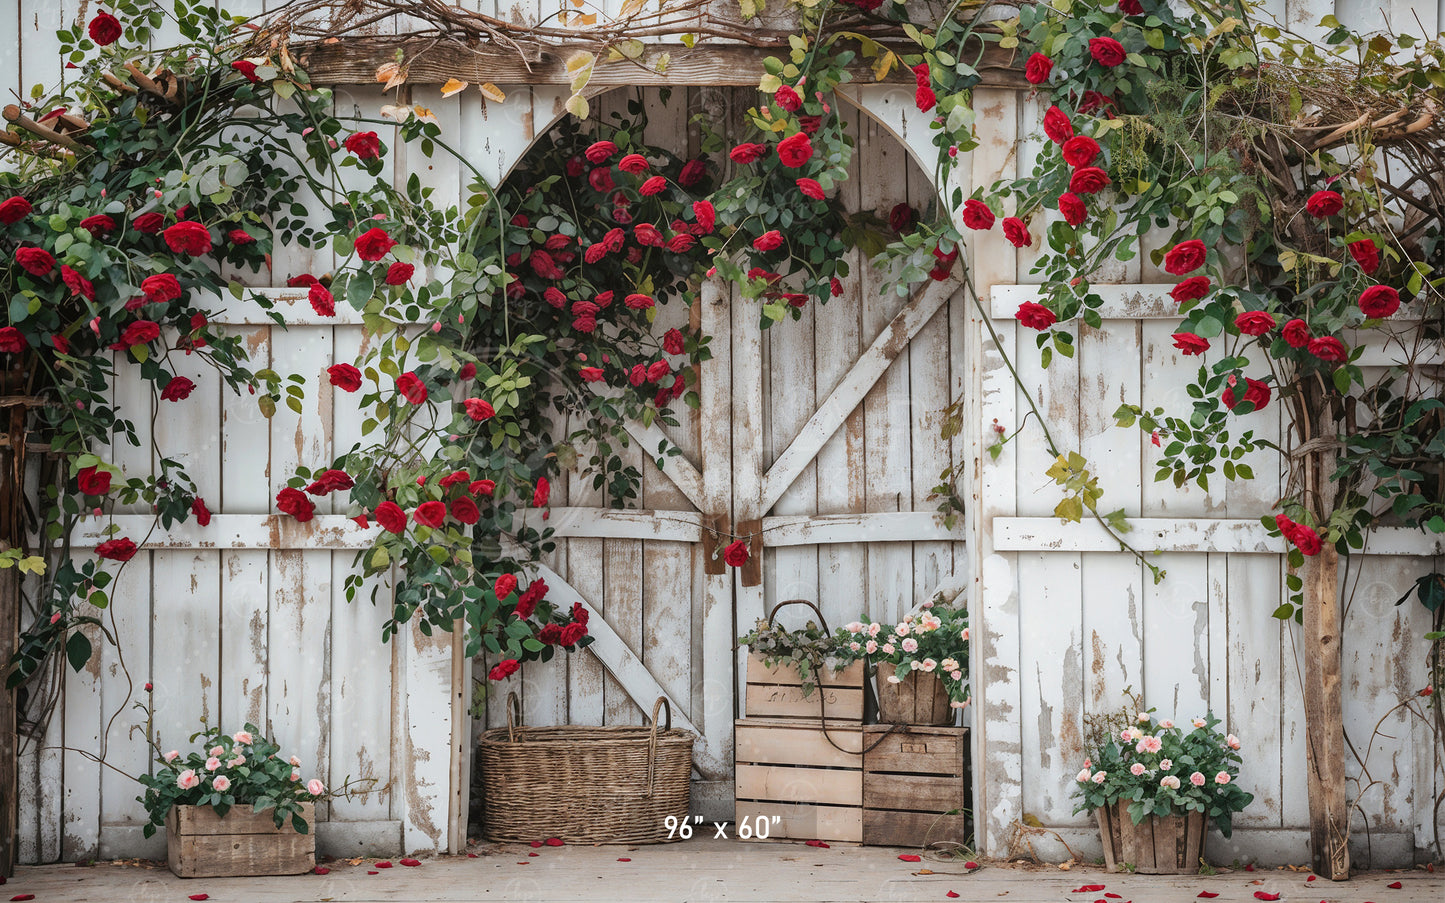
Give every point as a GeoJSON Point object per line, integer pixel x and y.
{"type": "Point", "coordinates": [951, 894]}
{"type": "Point", "coordinates": [817, 843]}
{"type": "Point", "coordinates": [373, 873]}
{"type": "Point", "coordinates": [1087, 889]}
{"type": "Point", "coordinates": [970, 865]}
{"type": "Point", "coordinates": [624, 859]}
{"type": "Point", "coordinates": [1207, 895]}
{"type": "Point", "coordinates": [23, 897]}
{"type": "Point", "coordinates": [200, 896]}
{"type": "Point", "coordinates": [411, 863]}
{"type": "Point", "coordinates": [1394, 885]}
{"type": "Point", "coordinates": [1249, 867]}
{"type": "Point", "coordinates": [534, 854]}
{"type": "Point", "coordinates": [1312, 877]}
{"type": "Point", "coordinates": [383, 864]}
{"type": "Point", "coordinates": [321, 870]}
{"type": "Point", "coordinates": [1263, 895]}
{"type": "Point", "coordinates": [536, 843]}
{"type": "Point", "coordinates": [910, 857]}
{"type": "Point", "coordinates": [1114, 896]}
{"type": "Point", "coordinates": [554, 841]}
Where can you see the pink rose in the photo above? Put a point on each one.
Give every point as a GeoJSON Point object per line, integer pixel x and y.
{"type": "Point", "coordinates": [1197, 779]}
{"type": "Point", "coordinates": [172, 756]}
{"type": "Point", "coordinates": [213, 763]}
{"type": "Point", "coordinates": [1137, 769]}
{"type": "Point", "coordinates": [243, 737]}
{"type": "Point", "coordinates": [1100, 777]}
{"type": "Point", "coordinates": [188, 779]}
{"type": "Point", "coordinates": [1222, 778]}
{"type": "Point", "coordinates": [315, 787]}
{"type": "Point", "coordinates": [221, 783]}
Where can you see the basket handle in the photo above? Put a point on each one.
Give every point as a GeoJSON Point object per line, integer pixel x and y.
{"type": "Point", "coordinates": [821, 619]}
{"type": "Point", "coordinates": [661, 704]}
{"type": "Point", "coordinates": [513, 705]}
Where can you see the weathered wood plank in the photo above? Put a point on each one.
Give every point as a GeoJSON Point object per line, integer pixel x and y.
{"type": "Point", "coordinates": [871, 527]}
{"type": "Point", "coordinates": [715, 424]}
{"type": "Point", "coordinates": [787, 742]}
{"type": "Point", "coordinates": [1184, 534]}
{"type": "Point", "coordinates": [828, 786]}
{"type": "Point", "coordinates": [428, 62]}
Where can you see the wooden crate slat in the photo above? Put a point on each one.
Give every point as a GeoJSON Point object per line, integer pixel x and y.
{"type": "Point", "coordinates": [781, 742]}
{"type": "Point", "coordinates": [833, 786]}
{"type": "Point", "coordinates": [802, 821]}
{"type": "Point", "coordinates": [759, 672]}
{"type": "Point", "coordinates": [918, 750]}
{"type": "Point", "coordinates": [913, 792]}
{"type": "Point", "coordinates": [186, 820]}
{"type": "Point", "coordinates": [199, 844]}
{"type": "Point", "coordinates": [839, 703]}
{"type": "Point", "coordinates": [912, 829]}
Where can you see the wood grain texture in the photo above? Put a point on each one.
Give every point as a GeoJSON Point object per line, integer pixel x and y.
{"type": "Point", "coordinates": [200, 844]}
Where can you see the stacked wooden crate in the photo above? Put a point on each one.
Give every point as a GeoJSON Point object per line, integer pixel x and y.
{"type": "Point", "coordinates": [914, 785]}
{"type": "Point", "coordinates": [788, 767]}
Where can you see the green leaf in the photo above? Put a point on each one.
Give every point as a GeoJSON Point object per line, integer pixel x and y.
{"type": "Point", "coordinates": [77, 650]}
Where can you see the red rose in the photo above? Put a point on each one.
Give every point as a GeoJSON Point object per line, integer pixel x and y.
{"type": "Point", "coordinates": [373, 244]}
{"type": "Point", "coordinates": [200, 512]}
{"type": "Point", "coordinates": [1037, 69]}
{"type": "Point", "coordinates": [633, 163]}
{"type": "Point", "coordinates": [482, 487]}
{"type": "Point", "coordinates": [640, 301]}
{"type": "Point", "coordinates": [554, 297]}
{"type": "Point", "coordinates": [1185, 257]}
{"type": "Point", "coordinates": [787, 98]}
{"type": "Point", "coordinates": [322, 301]}
{"type": "Point", "coordinates": [149, 223]}
{"type": "Point", "coordinates": [478, 409]}
{"type": "Point", "coordinates": [672, 341]}
{"type": "Point", "coordinates": [902, 218]}
{"type": "Point", "coordinates": [810, 188]}
{"type": "Point", "coordinates": [98, 225]}
{"type": "Point", "coordinates": [139, 333]}
{"type": "Point", "coordinates": [705, 214]}
{"type": "Point", "coordinates": [160, 288]}
{"type": "Point", "coordinates": [1365, 254]}
{"type": "Point", "coordinates": [104, 29]}
{"type": "Point", "coordinates": [977, 215]}
{"type": "Point", "coordinates": [1324, 204]}
{"type": "Point", "coordinates": [638, 375]}
{"type": "Point", "coordinates": [551, 634]}
{"type": "Point", "coordinates": [1080, 150]}
{"type": "Point", "coordinates": [35, 261]}
{"type": "Point", "coordinates": [465, 510]}
{"type": "Point", "coordinates": [924, 98]}
{"type": "Point", "coordinates": [116, 549]}
{"type": "Point", "coordinates": [391, 517]}
{"type": "Point", "coordinates": [1087, 180]}
{"type": "Point", "coordinates": [835, 287]}
{"type": "Point", "coordinates": [1131, 7]}
{"type": "Point", "coordinates": [653, 185]}
{"type": "Point", "coordinates": [1328, 348]}
{"type": "Point", "coordinates": [93, 481]}
{"type": "Point", "coordinates": [599, 151]}
{"type": "Point", "coordinates": [1035, 316]}
{"type": "Point", "coordinates": [344, 377]}
{"type": "Point", "coordinates": [540, 494]}
{"type": "Point", "coordinates": [430, 514]}
{"type": "Point", "coordinates": [769, 241]}
{"type": "Point", "coordinates": [295, 503]}
{"type": "Point", "coordinates": [747, 152]}
{"type": "Point", "coordinates": [572, 634]}
{"type": "Point", "coordinates": [330, 481]}
{"type": "Point", "coordinates": [1254, 322]}
{"type": "Point", "coordinates": [590, 374]}
{"type": "Point", "coordinates": [1296, 333]}
{"type": "Point", "coordinates": [365, 145]}
{"type": "Point", "coordinates": [1308, 540]}
{"type": "Point", "coordinates": [468, 371]}
{"type": "Point", "coordinates": [692, 173]}
{"type": "Point", "coordinates": [454, 478]}
{"type": "Point", "coordinates": [12, 342]}
{"type": "Point", "coordinates": [411, 388]}
{"type": "Point", "coordinates": [1073, 209]}
{"type": "Point", "coordinates": [647, 235]}
{"type": "Point", "coordinates": [1257, 393]}
{"type": "Point", "coordinates": [1016, 232]}
{"type": "Point", "coordinates": [399, 273]}
{"type": "Point", "coordinates": [1189, 343]}
{"type": "Point", "coordinates": [1057, 125]}
{"type": "Point", "coordinates": [1106, 51]}
{"type": "Point", "coordinates": [14, 209]}
{"type": "Point", "coordinates": [1379, 301]}
{"type": "Point", "coordinates": [601, 179]}
{"type": "Point", "coordinates": [736, 554]}
{"type": "Point", "coordinates": [1191, 289]}
{"type": "Point", "coordinates": [594, 252]}
{"type": "Point", "coordinates": [527, 602]}
{"type": "Point", "coordinates": [178, 389]}
{"type": "Point", "coordinates": [659, 369]}
{"type": "Point", "coordinates": [505, 669]}
{"type": "Point", "coordinates": [77, 283]}
{"type": "Point", "coordinates": [1093, 100]}
{"type": "Point", "coordinates": [614, 240]}
{"type": "Point", "coordinates": [585, 324]}
{"type": "Point", "coordinates": [189, 238]}
{"type": "Point", "coordinates": [504, 587]}
{"type": "Point", "coordinates": [944, 266]}
{"type": "Point", "coordinates": [795, 150]}
{"type": "Point", "coordinates": [580, 614]}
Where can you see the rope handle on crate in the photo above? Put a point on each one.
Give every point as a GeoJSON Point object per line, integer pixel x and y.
{"type": "Point", "coordinates": [513, 705]}
{"type": "Point", "coordinates": [822, 702]}
{"type": "Point", "coordinates": [666, 706]}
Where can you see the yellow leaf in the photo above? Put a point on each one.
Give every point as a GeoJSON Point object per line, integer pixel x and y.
{"type": "Point", "coordinates": [424, 114]}
{"type": "Point", "coordinates": [661, 63]}
{"type": "Point", "coordinates": [631, 8]}
{"type": "Point", "coordinates": [579, 61]}
{"type": "Point", "coordinates": [453, 86]}
{"type": "Point", "coordinates": [631, 48]}
{"type": "Point", "coordinates": [589, 19]}
{"type": "Point", "coordinates": [392, 74]}
{"type": "Point", "coordinates": [884, 66]}
{"type": "Point", "coordinates": [689, 40]}
{"type": "Point", "coordinates": [577, 106]}
{"type": "Point", "coordinates": [492, 92]}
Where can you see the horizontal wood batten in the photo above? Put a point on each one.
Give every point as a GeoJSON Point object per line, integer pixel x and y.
{"type": "Point", "coordinates": [1158, 534]}
{"type": "Point", "coordinates": [891, 526]}
{"type": "Point", "coordinates": [355, 61]}
{"type": "Point", "coordinates": [339, 533]}
{"type": "Point", "coordinates": [1144, 301]}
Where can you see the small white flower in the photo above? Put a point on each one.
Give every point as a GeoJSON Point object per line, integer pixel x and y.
{"type": "Point", "coordinates": [895, 679]}
{"type": "Point", "coordinates": [1171, 781]}
{"type": "Point", "coordinates": [928, 665]}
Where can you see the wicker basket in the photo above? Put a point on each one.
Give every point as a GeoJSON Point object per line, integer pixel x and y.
{"type": "Point", "coordinates": [584, 784]}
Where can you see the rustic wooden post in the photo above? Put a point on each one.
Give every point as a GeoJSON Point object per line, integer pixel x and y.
{"type": "Point", "coordinates": [12, 468]}
{"type": "Point", "coordinates": [1324, 717]}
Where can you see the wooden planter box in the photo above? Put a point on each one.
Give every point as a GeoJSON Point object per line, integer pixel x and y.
{"type": "Point", "coordinates": [912, 780]}
{"type": "Point", "coordinates": [778, 693]}
{"type": "Point", "coordinates": [1171, 845]}
{"type": "Point", "coordinates": [789, 769]}
{"type": "Point", "coordinates": [200, 844]}
{"type": "Point", "coordinates": [920, 698]}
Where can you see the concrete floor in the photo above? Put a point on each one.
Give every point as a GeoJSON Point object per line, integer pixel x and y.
{"type": "Point", "coordinates": [703, 870]}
